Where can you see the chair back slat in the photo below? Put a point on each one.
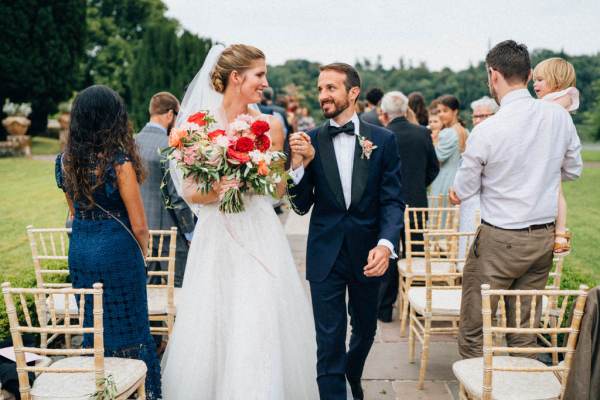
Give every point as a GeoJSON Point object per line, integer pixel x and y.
{"type": "Point", "coordinates": [50, 253]}
{"type": "Point", "coordinates": [158, 252]}
{"type": "Point", "coordinates": [532, 297]}
{"type": "Point", "coordinates": [448, 258]}
{"type": "Point", "coordinates": [418, 220]}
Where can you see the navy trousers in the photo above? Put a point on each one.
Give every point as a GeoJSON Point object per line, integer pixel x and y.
{"type": "Point", "coordinates": [335, 363]}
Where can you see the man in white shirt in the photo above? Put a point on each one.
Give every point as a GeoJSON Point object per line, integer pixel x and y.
{"type": "Point", "coordinates": [348, 171]}
{"type": "Point", "coordinates": [514, 160]}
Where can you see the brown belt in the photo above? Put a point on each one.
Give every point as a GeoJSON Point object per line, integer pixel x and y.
{"type": "Point", "coordinates": [529, 228]}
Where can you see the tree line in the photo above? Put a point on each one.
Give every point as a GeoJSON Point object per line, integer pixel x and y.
{"type": "Point", "coordinates": [469, 84]}
{"type": "Point", "coordinates": [49, 50]}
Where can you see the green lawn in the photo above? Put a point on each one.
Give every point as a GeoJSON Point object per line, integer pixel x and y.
{"type": "Point", "coordinates": [44, 145]}
{"type": "Point", "coordinates": [591, 155]}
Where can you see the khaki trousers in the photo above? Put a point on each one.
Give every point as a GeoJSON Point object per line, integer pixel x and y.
{"type": "Point", "coordinates": [503, 259]}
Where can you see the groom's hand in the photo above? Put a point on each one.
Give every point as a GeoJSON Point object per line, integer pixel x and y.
{"type": "Point", "coordinates": [377, 261]}
{"type": "Point", "coordinates": [302, 150]}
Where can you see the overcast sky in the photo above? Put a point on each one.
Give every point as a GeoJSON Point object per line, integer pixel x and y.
{"type": "Point", "coordinates": [449, 33]}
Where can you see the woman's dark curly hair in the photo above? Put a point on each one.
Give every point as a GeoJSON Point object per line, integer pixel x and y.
{"type": "Point", "coordinates": [99, 131]}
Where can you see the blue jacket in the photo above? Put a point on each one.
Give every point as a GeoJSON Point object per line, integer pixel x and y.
{"type": "Point", "coordinates": [376, 210]}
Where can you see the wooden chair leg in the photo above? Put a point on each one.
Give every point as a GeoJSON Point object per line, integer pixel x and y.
{"type": "Point", "coordinates": [424, 353]}
{"type": "Point", "coordinates": [404, 315]}
{"type": "Point", "coordinates": [462, 393]}
{"type": "Point", "coordinates": [141, 391]}
{"type": "Point", "coordinates": [411, 337]}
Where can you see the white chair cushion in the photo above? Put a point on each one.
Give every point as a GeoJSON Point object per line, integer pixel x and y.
{"type": "Point", "coordinates": [60, 386]}
{"type": "Point", "coordinates": [59, 304]}
{"type": "Point", "coordinates": [443, 302]}
{"type": "Point", "coordinates": [418, 267]}
{"type": "Point", "coordinates": [508, 385]}
{"type": "Point", "coordinates": [157, 301]}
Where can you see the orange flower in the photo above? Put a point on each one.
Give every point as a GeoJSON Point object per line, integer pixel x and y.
{"type": "Point", "coordinates": [176, 136]}
{"type": "Point", "coordinates": [262, 168]}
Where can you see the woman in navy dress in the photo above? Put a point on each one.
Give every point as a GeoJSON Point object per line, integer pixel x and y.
{"type": "Point", "coordinates": [100, 172]}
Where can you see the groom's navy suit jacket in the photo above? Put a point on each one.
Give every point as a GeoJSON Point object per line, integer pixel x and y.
{"type": "Point", "coordinates": [376, 210]}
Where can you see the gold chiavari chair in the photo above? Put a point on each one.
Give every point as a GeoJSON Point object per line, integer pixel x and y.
{"type": "Point", "coordinates": [497, 375]}
{"type": "Point", "coordinates": [50, 255]}
{"type": "Point", "coordinates": [161, 296]}
{"type": "Point", "coordinates": [437, 304]}
{"type": "Point", "coordinates": [77, 375]}
{"type": "Point", "coordinates": [417, 221]}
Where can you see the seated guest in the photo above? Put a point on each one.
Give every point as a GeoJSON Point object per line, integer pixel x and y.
{"type": "Point", "coordinates": [419, 168]}
{"type": "Point", "coordinates": [371, 114]}
{"type": "Point", "coordinates": [151, 139]}
{"type": "Point", "coordinates": [100, 173]}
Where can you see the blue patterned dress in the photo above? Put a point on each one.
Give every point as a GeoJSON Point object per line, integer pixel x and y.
{"type": "Point", "coordinates": [101, 250]}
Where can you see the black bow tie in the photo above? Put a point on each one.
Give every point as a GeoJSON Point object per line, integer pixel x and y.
{"type": "Point", "coordinates": [347, 129]}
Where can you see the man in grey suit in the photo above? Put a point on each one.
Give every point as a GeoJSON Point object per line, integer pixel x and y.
{"type": "Point", "coordinates": [152, 138]}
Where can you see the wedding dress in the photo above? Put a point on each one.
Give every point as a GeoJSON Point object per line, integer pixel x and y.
{"type": "Point", "coordinates": [244, 327]}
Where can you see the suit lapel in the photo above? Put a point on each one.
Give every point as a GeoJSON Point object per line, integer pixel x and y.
{"type": "Point", "coordinates": [360, 168]}
{"type": "Point", "coordinates": [329, 164]}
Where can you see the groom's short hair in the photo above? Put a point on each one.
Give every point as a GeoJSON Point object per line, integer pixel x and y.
{"type": "Point", "coordinates": [352, 76]}
{"type": "Point", "coordinates": [511, 60]}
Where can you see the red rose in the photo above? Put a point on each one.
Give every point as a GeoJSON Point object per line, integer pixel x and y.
{"type": "Point", "coordinates": [263, 143]}
{"type": "Point", "coordinates": [259, 127]}
{"type": "Point", "coordinates": [215, 134]}
{"type": "Point", "coordinates": [237, 156]}
{"type": "Point", "coordinates": [244, 144]}
{"type": "Point", "coordinates": [197, 119]}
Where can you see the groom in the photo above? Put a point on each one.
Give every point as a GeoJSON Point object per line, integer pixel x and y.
{"type": "Point", "coordinates": [349, 172]}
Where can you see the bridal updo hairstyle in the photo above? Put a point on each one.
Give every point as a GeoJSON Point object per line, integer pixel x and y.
{"type": "Point", "coordinates": [237, 57]}
{"type": "Point", "coordinates": [98, 132]}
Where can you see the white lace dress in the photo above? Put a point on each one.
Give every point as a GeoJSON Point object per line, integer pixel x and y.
{"type": "Point", "coordinates": [244, 327]}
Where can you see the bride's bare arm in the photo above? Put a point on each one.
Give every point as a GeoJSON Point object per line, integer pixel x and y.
{"type": "Point", "coordinates": [192, 194]}
{"type": "Point", "coordinates": [277, 139]}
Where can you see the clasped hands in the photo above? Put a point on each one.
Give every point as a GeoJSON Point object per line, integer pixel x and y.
{"type": "Point", "coordinates": [302, 150]}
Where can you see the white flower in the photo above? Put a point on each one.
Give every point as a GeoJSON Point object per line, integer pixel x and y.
{"type": "Point", "coordinates": [190, 126]}
{"type": "Point", "coordinates": [223, 141]}
{"type": "Point", "coordinates": [256, 156]}
{"type": "Point", "coordinates": [10, 109]}
{"type": "Point", "coordinates": [239, 125]}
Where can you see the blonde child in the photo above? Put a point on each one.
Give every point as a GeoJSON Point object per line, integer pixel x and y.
{"type": "Point", "coordinates": [554, 80]}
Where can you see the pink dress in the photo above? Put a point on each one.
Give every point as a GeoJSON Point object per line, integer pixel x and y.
{"type": "Point", "coordinates": [572, 92]}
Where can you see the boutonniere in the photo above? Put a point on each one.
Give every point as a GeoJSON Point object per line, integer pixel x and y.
{"type": "Point", "coordinates": [366, 145]}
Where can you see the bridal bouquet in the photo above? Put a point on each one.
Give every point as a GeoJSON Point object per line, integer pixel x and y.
{"type": "Point", "coordinates": [241, 154]}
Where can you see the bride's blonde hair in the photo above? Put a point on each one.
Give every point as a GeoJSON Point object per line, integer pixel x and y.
{"type": "Point", "coordinates": [237, 57]}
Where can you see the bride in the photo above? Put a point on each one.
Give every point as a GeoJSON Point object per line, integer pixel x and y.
{"type": "Point", "coordinates": [244, 328]}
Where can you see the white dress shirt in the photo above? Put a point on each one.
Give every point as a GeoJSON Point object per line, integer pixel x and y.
{"type": "Point", "coordinates": [344, 145]}
{"type": "Point", "coordinates": [515, 160]}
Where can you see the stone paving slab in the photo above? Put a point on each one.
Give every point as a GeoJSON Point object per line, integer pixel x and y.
{"type": "Point", "coordinates": [388, 375]}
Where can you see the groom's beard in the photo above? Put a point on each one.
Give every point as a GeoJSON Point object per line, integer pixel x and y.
{"type": "Point", "coordinates": [338, 108]}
